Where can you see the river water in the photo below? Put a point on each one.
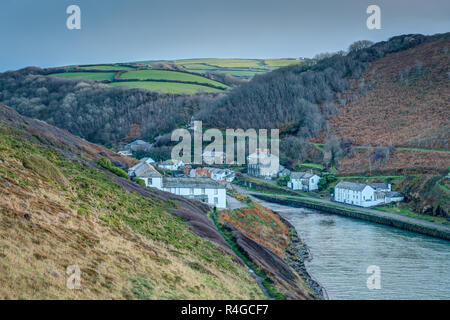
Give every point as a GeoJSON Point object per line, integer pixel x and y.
{"type": "Point", "coordinates": [411, 266]}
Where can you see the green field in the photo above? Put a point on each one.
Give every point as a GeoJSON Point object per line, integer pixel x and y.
{"type": "Point", "coordinates": [95, 76]}
{"type": "Point", "coordinates": [177, 81]}
{"type": "Point", "coordinates": [106, 67]}
{"type": "Point", "coordinates": [170, 87]}
{"type": "Point", "coordinates": [169, 75]}
{"type": "Point", "coordinates": [281, 62]}
{"type": "Point", "coordinates": [243, 68]}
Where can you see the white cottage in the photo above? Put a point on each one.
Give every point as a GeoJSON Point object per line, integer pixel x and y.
{"type": "Point", "coordinates": [263, 164]}
{"type": "Point", "coordinates": [305, 181]}
{"type": "Point", "coordinates": [201, 189]}
{"type": "Point", "coordinates": [145, 171]}
{"type": "Point", "coordinates": [356, 193]}
{"type": "Point", "coordinates": [171, 165]}
{"type": "Point", "coordinates": [213, 157]}
{"type": "Point", "coordinates": [365, 195]}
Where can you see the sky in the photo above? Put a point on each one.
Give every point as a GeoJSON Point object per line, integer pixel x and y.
{"type": "Point", "coordinates": [34, 33]}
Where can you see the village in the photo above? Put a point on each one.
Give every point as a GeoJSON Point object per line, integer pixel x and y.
{"type": "Point", "coordinates": [212, 184]}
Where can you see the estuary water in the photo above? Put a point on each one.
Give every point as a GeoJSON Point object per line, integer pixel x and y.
{"type": "Point", "coordinates": [411, 266]}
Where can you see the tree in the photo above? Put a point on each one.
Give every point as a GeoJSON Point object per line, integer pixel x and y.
{"type": "Point", "coordinates": [325, 180]}
{"type": "Point", "coordinates": [359, 45]}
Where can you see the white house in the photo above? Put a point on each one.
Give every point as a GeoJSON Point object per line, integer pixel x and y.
{"type": "Point", "coordinates": [201, 189]}
{"type": "Point", "coordinates": [304, 181]}
{"type": "Point", "coordinates": [365, 195]}
{"type": "Point", "coordinates": [145, 171]}
{"type": "Point", "coordinates": [218, 174]}
{"type": "Point", "coordinates": [148, 160]}
{"type": "Point", "coordinates": [213, 157]}
{"type": "Point", "coordinates": [263, 164]}
{"type": "Point", "coordinates": [392, 196]}
{"type": "Point", "coordinates": [138, 145]}
{"type": "Point", "coordinates": [171, 165]}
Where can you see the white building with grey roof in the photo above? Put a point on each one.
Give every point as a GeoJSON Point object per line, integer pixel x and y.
{"type": "Point", "coordinates": [145, 171]}
{"type": "Point", "coordinates": [365, 195]}
{"type": "Point", "coordinates": [305, 181]}
{"type": "Point", "coordinates": [202, 189]}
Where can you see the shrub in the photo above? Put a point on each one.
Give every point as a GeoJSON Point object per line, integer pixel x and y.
{"type": "Point", "coordinates": [326, 179]}
{"type": "Point", "coordinates": [106, 163]}
{"type": "Point", "coordinates": [139, 181]}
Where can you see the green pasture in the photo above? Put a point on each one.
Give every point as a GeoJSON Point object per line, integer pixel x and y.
{"type": "Point", "coordinates": [170, 87]}
{"type": "Point", "coordinates": [169, 75]}
{"type": "Point", "coordinates": [95, 76]}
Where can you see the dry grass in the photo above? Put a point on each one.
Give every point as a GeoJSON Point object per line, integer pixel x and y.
{"type": "Point", "coordinates": [78, 218]}
{"type": "Point", "coordinates": [259, 224]}
{"type": "Point", "coordinates": [408, 103]}
{"type": "Point", "coordinates": [399, 159]}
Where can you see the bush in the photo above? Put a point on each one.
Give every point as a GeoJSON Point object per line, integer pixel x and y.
{"type": "Point", "coordinates": [283, 181]}
{"type": "Point", "coordinates": [326, 179]}
{"type": "Point", "coordinates": [106, 163]}
{"type": "Point", "coordinates": [139, 181]}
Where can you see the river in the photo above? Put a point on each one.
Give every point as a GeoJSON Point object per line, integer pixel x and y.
{"type": "Point", "coordinates": [412, 266]}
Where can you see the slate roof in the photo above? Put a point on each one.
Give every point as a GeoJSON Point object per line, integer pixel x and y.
{"type": "Point", "coordinates": [393, 194]}
{"type": "Point", "coordinates": [148, 160]}
{"type": "Point", "coordinates": [351, 186]}
{"type": "Point", "coordinates": [191, 183]}
{"type": "Point", "coordinates": [301, 175]}
{"type": "Point", "coordinates": [144, 170]}
{"type": "Point", "coordinates": [379, 186]}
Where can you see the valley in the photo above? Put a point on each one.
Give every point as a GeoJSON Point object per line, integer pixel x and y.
{"type": "Point", "coordinates": [82, 147]}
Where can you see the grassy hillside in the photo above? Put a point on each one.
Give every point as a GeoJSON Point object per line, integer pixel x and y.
{"type": "Point", "coordinates": [170, 76]}
{"type": "Point", "coordinates": [247, 226]}
{"type": "Point", "coordinates": [402, 99]}
{"type": "Point", "coordinates": [94, 76]}
{"type": "Point", "coordinates": [108, 67]}
{"type": "Point", "coordinates": [243, 68]}
{"type": "Point", "coordinates": [169, 87]}
{"type": "Point", "coordinates": [169, 81]}
{"type": "Point", "coordinates": [59, 209]}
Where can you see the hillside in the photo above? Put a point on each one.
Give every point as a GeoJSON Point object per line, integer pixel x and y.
{"type": "Point", "coordinates": [402, 99]}
{"type": "Point", "coordinates": [139, 76]}
{"type": "Point", "coordinates": [392, 95]}
{"type": "Point", "coordinates": [272, 246]}
{"type": "Point", "coordinates": [360, 106]}
{"type": "Point", "coordinates": [59, 209]}
{"type": "Point", "coordinates": [241, 68]}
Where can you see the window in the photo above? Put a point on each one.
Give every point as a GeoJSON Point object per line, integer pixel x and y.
{"type": "Point", "coordinates": [203, 191]}
{"type": "Point", "coordinates": [216, 200]}
{"type": "Point", "coordinates": [191, 191]}
{"type": "Point", "coordinates": [216, 191]}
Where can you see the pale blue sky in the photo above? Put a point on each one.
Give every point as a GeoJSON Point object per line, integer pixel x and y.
{"type": "Point", "coordinates": [34, 32]}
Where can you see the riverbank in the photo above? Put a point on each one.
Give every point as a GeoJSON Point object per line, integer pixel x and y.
{"type": "Point", "coordinates": [417, 226]}
{"type": "Point", "coordinates": [270, 246]}
{"type": "Point", "coordinates": [296, 256]}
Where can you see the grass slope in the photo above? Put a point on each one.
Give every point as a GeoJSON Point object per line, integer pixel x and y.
{"type": "Point", "coordinates": [127, 246]}
{"type": "Point", "coordinates": [95, 76]}
{"type": "Point", "coordinates": [169, 75]}
{"type": "Point", "coordinates": [243, 68]}
{"type": "Point", "coordinates": [170, 87]}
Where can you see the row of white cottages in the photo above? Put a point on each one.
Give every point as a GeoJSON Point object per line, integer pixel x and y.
{"type": "Point", "coordinates": [358, 194]}
{"type": "Point", "coordinates": [201, 189]}
{"type": "Point", "coordinates": [365, 195]}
